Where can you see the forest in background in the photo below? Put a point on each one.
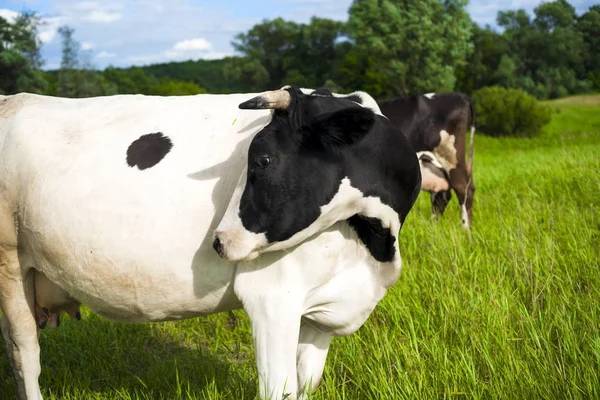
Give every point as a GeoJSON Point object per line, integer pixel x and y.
{"type": "Point", "coordinates": [387, 48]}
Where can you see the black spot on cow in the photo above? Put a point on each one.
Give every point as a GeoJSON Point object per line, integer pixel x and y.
{"type": "Point", "coordinates": [379, 240]}
{"type": "Point", "coordinates": [148, 150]}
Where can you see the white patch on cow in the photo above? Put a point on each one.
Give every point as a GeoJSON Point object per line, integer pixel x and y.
{"type": "Point", "coordinates": [431, 182]}
{"type": "Point", "coordinates": [445, 152]}
{"type": "Point", "coordinates": [430, 95]}
{"type": "Point", "coordinates": [332, 286]}
{"type": "Point", "coordinates": [433, 158]}
{"type": "Point", "coordinates": [330, 279]}
{"type": "Point", "coordinates": [348, 201]}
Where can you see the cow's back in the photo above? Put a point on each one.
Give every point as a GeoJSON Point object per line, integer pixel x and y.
{"type": "Point", "coordinates": [84, 146]}
{"type": "Point", "coordinates": [403, 112]}
{"type": "Point", "coordinates": [413, 116]}
{"type": "Point", "coordinates": [446, 107]}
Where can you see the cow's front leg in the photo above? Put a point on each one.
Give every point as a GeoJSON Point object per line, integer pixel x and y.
{"type": "Point", "coordinates": [274, 304]}
{"type": "Point", "coordinates": [275, 321]}
{"type": "Point", "coordinates": [18, 324]}
{"type": "Point", "coordinates": [312, 354]}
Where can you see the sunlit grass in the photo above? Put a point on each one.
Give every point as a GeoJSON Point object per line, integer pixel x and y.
{"type": "Point", "coordinates": [585, 99]}
{"type": "Point", "coordinates": [514, 314]}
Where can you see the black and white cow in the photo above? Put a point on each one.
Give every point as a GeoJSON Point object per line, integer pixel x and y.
{"type": "Point", "coordinates": [159, 208]}
{"type": "Point", "coordinates": [436, 126]}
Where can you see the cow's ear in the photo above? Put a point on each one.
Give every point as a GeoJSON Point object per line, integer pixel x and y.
{"type": "Point", "coordinates": [341, 128]}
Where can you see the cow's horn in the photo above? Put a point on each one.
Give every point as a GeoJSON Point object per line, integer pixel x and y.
{"type": "Point", "coordinates": [275, 100]}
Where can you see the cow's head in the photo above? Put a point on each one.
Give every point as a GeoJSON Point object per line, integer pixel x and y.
{"type": "Point", "coordinates": [321, 159]}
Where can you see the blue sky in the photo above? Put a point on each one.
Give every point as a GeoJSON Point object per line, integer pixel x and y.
{"type": "Point", "coordinates": [138, 32]}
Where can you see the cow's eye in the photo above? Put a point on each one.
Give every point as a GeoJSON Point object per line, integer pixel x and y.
{"type": "Point", "coordinates": [262, 161]}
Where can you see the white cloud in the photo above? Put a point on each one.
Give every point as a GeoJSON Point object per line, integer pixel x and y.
{"type": "Point", "coordinates": [191, 49]}
{"type": "Point", "coordinates": [85, 5]}
{"type": "Point", "coordinates": [102, 12]}
{"type": "Point", "coordinates": [192, 44]}
{"type": "Point", "coordinates": [87, 45]}
{"type": "Point", "coordinates": [106, 54]}
{"type": "Point", "coordinates": [49, 28]}
{"type": "Point", "coordinates": [8, 15]}
{"type": "Point", "coordinates": [102, 16]}
{"type": "Point", "coordinates": [145, 31]}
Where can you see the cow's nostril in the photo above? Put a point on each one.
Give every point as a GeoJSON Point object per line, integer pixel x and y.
{"type": "Point", "coordinates": [218, 246]}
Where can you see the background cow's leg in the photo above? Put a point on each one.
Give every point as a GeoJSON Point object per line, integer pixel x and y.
{"type": "Point", "coordinates": [465, 189]}
{"type": "Point", "coordinates": [313, 346]}
{"type": "Point", "coordinates": [439, 201]}
{"type": "Point", "coordinates": [18, 324]}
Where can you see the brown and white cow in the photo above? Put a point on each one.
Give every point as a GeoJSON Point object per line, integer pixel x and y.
{"type": "Point", "coordinates": [436, 125]}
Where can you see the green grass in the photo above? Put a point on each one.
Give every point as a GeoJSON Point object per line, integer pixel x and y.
{"type": "Point", "coordinates": [515, 314]}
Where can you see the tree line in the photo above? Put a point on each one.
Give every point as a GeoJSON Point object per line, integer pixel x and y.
{"type": "Point", "coordinates": [388, 48]}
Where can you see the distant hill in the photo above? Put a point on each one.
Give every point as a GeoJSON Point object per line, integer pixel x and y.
{"type": "Point", "coordinates": [173, 78]}
{"type": "Point", "coordinates": [207, 74]}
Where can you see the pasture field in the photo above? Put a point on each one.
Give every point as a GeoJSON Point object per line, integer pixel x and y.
{"type": "Point", "coordinates": [515, 314]}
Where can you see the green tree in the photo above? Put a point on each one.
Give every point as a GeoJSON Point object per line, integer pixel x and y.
{"type": "Point", "coordinates": [488, 61]}
{"type": "Point", "coordinates": [562, 45]}
{"type": "Point", "coordinates": [67, 75]}
{"type": "Point", "coordinates": [554, 15]}
{"type": "Point", "coordinates": [20, 60]}
{"type": "Point", "coordinates": [318, 51]}
{"type": "Point", "coordinates": [51, 78]}
{"type": "Point", "coordinates": [168, 87]}
{"type": "Point", "coordinates": [89, 82]}
{"type": "Point", "coordinates": [208, 74]}
{"type": "Point", "coordinates": [248, 74]}
{"type": "Point", "coordinates": [272, 45]}
{"type": "Point", "coordinates": [128, 81]}
{"type": "Point", "coordinates": [588, 25]}
{"type": "Point", "coordinates": [548, 52]}
{"type": "Point", "coordinates": [414, 45]}
{"type": "Point", "coordinates": [505, 74]}
{"type": "Point", "coordinates": [279, 52]}
{"type": "Point", "coordinates": [77, 76]}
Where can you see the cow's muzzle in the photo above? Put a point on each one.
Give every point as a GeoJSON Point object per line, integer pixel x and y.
{"type": "Point", "coordinates": [218, 247]}
{"type": "Point", "coordinates": [238, 245]}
